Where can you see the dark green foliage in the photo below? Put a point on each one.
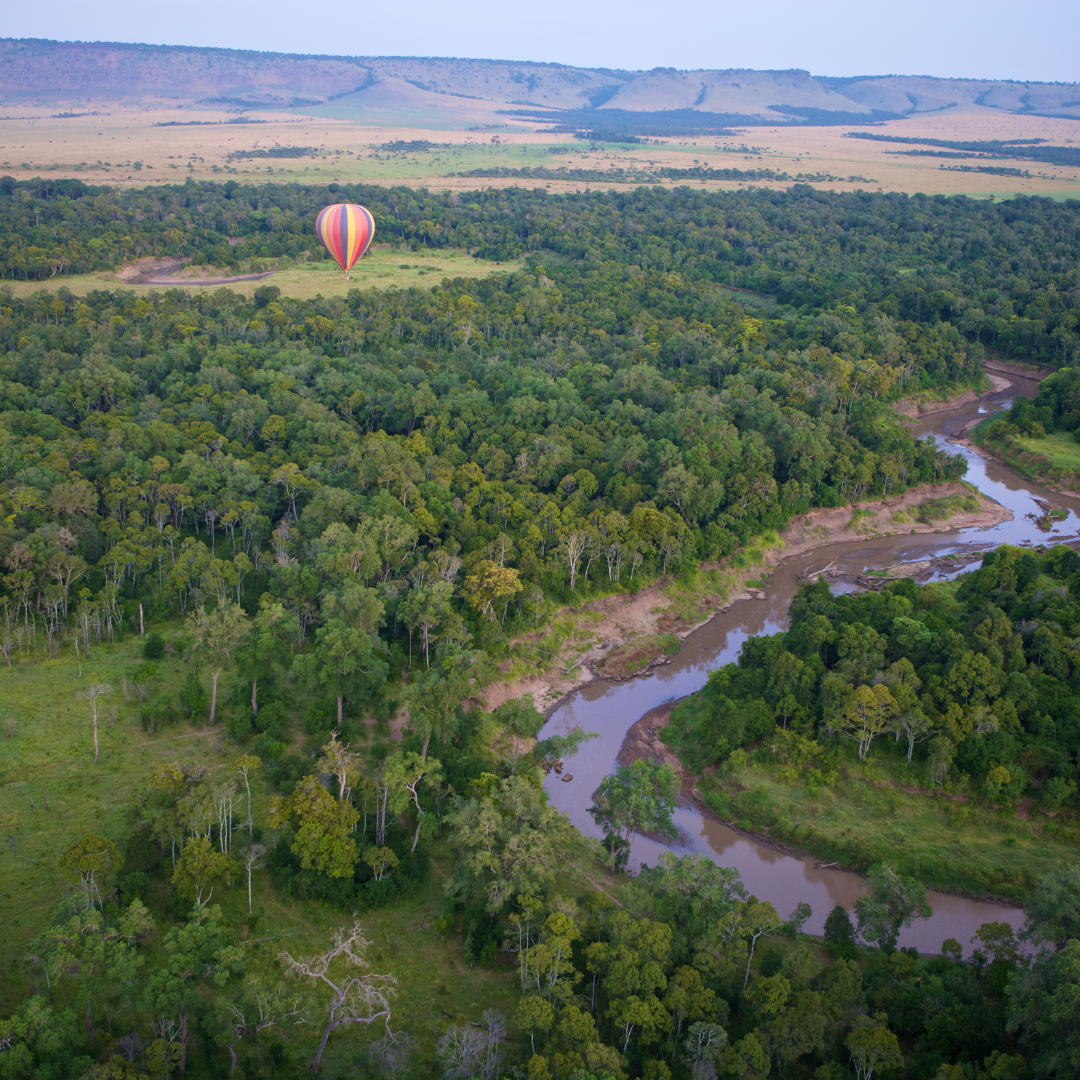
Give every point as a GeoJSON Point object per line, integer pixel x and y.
{"type": "Point", "coordinates": [982, 679]}
{"type": "Point", "coordinates": [154, 646]}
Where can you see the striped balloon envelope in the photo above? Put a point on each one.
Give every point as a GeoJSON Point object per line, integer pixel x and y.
{"type": "Point", "coordinates": [345, 230]}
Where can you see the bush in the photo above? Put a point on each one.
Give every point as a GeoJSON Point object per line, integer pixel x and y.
{"type": "Point", "coordinates": [239, 728]}
{"type": "Point", "coordinates": [153, 647]}
{"type": "Point", "coordinates": [154, 715]}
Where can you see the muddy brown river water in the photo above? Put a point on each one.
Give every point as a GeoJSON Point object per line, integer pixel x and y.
{"type": "Point", "coordinates": [613, 708]}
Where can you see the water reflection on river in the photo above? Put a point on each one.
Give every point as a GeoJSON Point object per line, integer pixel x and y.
{"type": "Point", "coordinates": [612, 709]}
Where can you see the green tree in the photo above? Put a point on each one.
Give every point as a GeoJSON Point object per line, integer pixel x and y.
{"type": "Point", "coordinates": [508, 842]}
{"type": "Point", "coordinates": [873, 1047]}
{"type": "Point", "coordinates": [1044, 1010]}
{"type": "Point", "coordinates": [638, 798]}
{"type": "Point", "coordinates": [381, 860]}
{"type": "Point", "coordinates": [547, 967]}
{"type": "Point", "coordinates": [100, 956]}
{"type": "Point", "coordinates": [324, 827]}
{"type": "Point", "coordinates": [195, 958]}
{"type": "Point", "coordinates": [200, 869]}
{"type": "Point", "coordinates": [521, 719]}
{"type": "Point", "coordinates": [39, 1039]}
{"type": "Point", "coordinates": [893, 901]}
{"type": "Point", "coordinates": [534, 1015]}
{"type": "Point", "coordinates": [746, 1059]}
{"type": "Point", "coordinates": [345, 659]}
{"type": "Point", "coordinates": [1053, 909]}
{"type": "Point", "coordinates": [488, 584]}
{"type": "Point", "coordinates": [407, 772]}
{"type": "Point", "coordinates": [216, 637]}
{"type": "Point", "coordinates": [868, 713]}
{"type": "Point", "coordinates": [87, 861]}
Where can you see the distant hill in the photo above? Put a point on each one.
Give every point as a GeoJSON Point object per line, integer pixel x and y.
{"type": "Point", "coordinates": [52, 72]}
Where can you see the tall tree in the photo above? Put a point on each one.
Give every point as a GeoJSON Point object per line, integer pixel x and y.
{"type": "Point", "coordinates": [95, 695]}
{"type": "Point", "coordinates": [87, 861]}
{"type": "Point", "coordinates": [216, 637]}
{"type": "Point", "coordinates": [893, 901]}
{"type": "Point", "coordinates": [194, 958]}
{"type": "Point", "coordinates": [637, 798]}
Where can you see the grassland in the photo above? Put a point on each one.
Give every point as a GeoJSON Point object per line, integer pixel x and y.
{"type": "Point", "coordinates": [1060, 450]}
{"type": "Point", "coordinates": [381, 268]}
{"type": "Point", "coordinates": [1053, 460]}
{"type": "Point", "coordinates": [350, 145]}
{"type": "Point", "coordinates": [858, 813]}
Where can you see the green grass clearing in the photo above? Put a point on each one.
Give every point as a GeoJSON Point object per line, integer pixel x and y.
{"type": "Point", "coordinates": [857, 813]}
{"type": "Point", "coordinates": [1061, 450]}
{"type": "Point", "coordinates": [383, 268]}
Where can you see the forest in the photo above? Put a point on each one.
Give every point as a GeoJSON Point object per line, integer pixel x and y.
{"type": "Point", "coordinates": [999, 275]}
{"type": "Point", "coordinates": [264, 822]}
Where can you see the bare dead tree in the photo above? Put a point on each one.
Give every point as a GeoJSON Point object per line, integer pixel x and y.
{"type": "Point", "coordinates": [267, 1009]}
{"type": "Point", "coordinates": [356, 998]}
{"type": "Point", "coordinates": [94, 695]}
{"type": "Point", "coordinates": [391, 1054]}
{"type": "Point", "coordinates": [473, 1050]}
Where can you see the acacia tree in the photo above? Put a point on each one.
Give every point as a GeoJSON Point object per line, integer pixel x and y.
{"type": "Point", "coordinates": [355, 996]}
{"type": "Point", "coordinates": [636, 798]}
{"type": "Point", "coordinates": [216, 637]}
{"type": "Point", "coordinates": [94, 694]}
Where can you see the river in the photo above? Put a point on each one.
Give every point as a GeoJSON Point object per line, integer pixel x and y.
{"type": "Point", "coordinates": [613, 708]}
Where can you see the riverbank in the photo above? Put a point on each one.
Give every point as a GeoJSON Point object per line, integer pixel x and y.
{"type": "Point", "coordinates": [611, 636]}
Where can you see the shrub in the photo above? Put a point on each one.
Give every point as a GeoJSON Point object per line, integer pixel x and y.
{"type": "Point", "coordinates": [153, 647]}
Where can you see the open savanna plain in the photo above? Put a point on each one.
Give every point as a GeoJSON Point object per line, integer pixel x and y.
{"type": "Point", "coordinates": [437, 150]}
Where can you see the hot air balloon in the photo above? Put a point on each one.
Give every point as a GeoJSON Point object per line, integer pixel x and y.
{"type": "Point", "coordinates": [345, 230]}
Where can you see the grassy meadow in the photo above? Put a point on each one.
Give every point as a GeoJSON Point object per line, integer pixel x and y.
{"type": "Point", "coordinates": [1052, 459]}
{"type": "Point", "coordinates": [384, 267]}
{"type": "Point", "coordinates": [864, 812]}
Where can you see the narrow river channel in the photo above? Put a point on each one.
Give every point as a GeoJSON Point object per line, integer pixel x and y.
{"type": "Point", "coordinates": [613, 708]}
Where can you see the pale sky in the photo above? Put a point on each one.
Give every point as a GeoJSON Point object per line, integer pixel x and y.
{"type": "Point", "coordinates": [1036, 41]}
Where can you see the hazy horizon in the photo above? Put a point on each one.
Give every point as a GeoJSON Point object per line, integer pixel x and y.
{"type": "Point", "coordinates": [838, 38]}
